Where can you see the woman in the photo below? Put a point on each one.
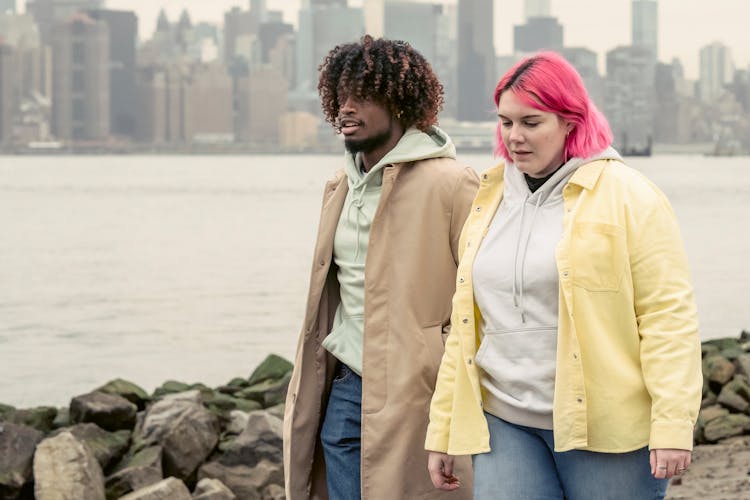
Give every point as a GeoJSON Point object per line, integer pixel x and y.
{"type": "Point", "coordinates": [573, 366]}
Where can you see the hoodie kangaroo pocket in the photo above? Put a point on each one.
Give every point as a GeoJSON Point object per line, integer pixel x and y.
{"type": "Point", "coordinates": [519, 367]}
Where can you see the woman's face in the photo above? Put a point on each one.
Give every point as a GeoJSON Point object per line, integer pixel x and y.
{"type": "Point", "coordinates": [535, 139]}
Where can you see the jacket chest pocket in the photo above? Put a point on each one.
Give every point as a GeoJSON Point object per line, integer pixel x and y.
{"type": "Point", "coordinates": [598, 256]}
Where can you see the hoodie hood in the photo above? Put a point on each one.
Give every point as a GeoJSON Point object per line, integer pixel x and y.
{"type": "Point", "coordinates": [414, 145]}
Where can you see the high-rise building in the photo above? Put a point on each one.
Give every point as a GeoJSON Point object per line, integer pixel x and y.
{"type": "Point", "coordinates": [237, 23]}
{"type": "Point", "coordinates": [586, 62]}
{"type": "Point", "coordinates": [323, 24]}
{"type": "Point", "coordinates": [374, 14]}
{"type": "Point", "coordinates": [416, 23]}
{"type": "Point", "coordinates": [262, 101]}
{"type": "Point", "coordinates": [645, 25]}
{"type": "Point", "coordinates": [7, 6]}
{"type": "Point", "coordinates": [476, 60]}
{"type": "Point", "coordinates": [49, 12]}
{"type": "Point", "coordinates": [80, 109]}
{"type": "Point", "coordinates": [716, 70]}
{"type": "Point", "coordinates": [536, 8]}
{"type": "Point", "coordinates": [629, 97]}
{"type": "Point", "coordinates": [539, 33]}
{"type": "Point", "coordinates": [123, 32]}
{"type": "Point", "coordinates": [6, 94]}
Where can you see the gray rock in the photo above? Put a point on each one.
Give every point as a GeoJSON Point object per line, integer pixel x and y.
{"type": "Point", "coordinates": [212, 489]}
{"type": "Point", "coordinates": [717, 369]}
{"type": "Point", "coordinates": [274, 492]}
{"type": "Point", "coordinates": [40, 418]}
{"type": "Point", "coordinates": [245, 482]}
{"type": "Point", "coordinates": [742, 363]}
{"type": "Point", "coordinates": [238, 422]}
{"type": "Point", "coordinates": [128, 390]}
{"type": "Point", "coordinates": [261, 440]}
{"type": "Point", "coordinates": [62, 419]}
{"type": "Point", "coordinates": [17, 445]}
{"type": "Point", "coordinates": [110, 412]}
{"type": "Point", "coordinates": [186, 430]}
{"type": "Point", "coordinates": [725, 427]}
{"type": "Point", "coordinates": [136, 472]}
{"type": "Point", "coordinates": [107, 447]}
{"type": "Point", "coordinates": [277, 411]}
{"type": "Point", "coordinates": [170, 387]}
{"type": "Point", "coordinates": [65, 469]}
{"type": "Point", "coordinates": [168, 489]}
{"type": "Point", "coordinates": [269, 392]}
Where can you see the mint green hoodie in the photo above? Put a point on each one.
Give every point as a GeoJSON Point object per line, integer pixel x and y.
{"type": "Point", "coordinates": [353, 232]}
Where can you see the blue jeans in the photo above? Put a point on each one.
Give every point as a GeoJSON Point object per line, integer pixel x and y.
{"type": "Point", "coordinates": [341, 435]}
{"type": "Point", "coordinates": [524, 466]}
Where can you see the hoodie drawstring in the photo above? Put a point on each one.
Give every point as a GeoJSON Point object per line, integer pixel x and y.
{"type": "Point", "coordinates": [358, 193]}
{"type": "Point", "coordinates": [518, 303]}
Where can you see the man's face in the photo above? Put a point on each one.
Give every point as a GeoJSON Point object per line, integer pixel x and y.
{"type": "Point", "coordinates": [366, 125]}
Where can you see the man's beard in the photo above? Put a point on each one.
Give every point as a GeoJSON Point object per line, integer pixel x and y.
{"type": "Point", "coordinates": [368, 143]}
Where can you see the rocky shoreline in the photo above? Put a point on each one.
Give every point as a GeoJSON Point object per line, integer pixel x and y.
{"type": "Point", "coordinates": [196, 442]}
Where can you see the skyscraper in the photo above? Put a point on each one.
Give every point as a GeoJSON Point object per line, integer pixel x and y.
{"type": "Point", "coordinates": [716, 70]}
{"type": "Point", "coordinates": [48, 12]}
{"type": "Point", "coordinates": [323, 24]}
{"type": "Point", "coordinates": [645, 27]}
{"type": "Point", "coordinates": [629, 96]}
{"type": "Point", "coordinates": [80, 109]}
{"type": "Point", "coordinates": [476, 60]}
{"type": "Point", "coordinates": [538, 33]}
{"type": "Point", "coordinates": [123, 32]}
{"type": "Point", "coordinates": [7, 6]}
{"type": "Point", "coordinates": [416, 23]}
{"type": "Point", "coordinates": [536, 8]}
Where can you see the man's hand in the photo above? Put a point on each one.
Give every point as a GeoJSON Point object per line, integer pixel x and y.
{"type": "Point", "coordinates": [667, 462]}
{"type": "Point", "coordinates": [440, 466]}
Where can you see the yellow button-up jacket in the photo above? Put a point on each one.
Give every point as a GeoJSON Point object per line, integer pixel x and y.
{"type": "Point", "coordinates": [628, 350]}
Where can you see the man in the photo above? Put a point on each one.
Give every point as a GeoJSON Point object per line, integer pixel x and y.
{"type": "Point", "coordinates": [383, 277]}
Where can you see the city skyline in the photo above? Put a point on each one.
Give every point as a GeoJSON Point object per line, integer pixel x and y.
{"type": "Point", "coordinates": [685, 26]}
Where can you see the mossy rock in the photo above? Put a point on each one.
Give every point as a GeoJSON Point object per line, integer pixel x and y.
{"type": "Point", "coordinates": [40, 418]}
{"type": "Point", "coordinates": [5, 410]}
{"type": "Point", "coordinates": [222, 405]}
{"type": "Point", "coordinates": [709, 350]}
{"type": "Point", "coordinates": [273, 367]}
{"type": "Point", "coordinates": [128, 390]}
{"type": "Point", "coordinates": [170, 387]}
{"type": "Point", "coordinates": [269, 392]}
{"type": "Point", "coordinates": [723, 343]}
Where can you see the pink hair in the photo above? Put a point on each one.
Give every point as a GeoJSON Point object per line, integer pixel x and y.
{"type": "Point", "coordinates": [546, 81]}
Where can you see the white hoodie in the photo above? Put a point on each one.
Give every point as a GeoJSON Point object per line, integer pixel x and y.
{"type": "Point", "coordinates": [516, 289]}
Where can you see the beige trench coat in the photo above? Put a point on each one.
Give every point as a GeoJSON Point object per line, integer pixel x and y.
{"type": "Point", "coordinates": [409, 283]}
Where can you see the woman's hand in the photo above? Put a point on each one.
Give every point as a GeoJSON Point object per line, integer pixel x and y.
{"type": "Point", "coordinates": [667, 462]}
{"type": "Point", "coordinates": [440, 466]}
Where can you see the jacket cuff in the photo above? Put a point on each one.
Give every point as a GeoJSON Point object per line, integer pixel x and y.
{"type": "Point", "coordinates": [436, 441]}
{"type": "Point", "coordinates": [671, 434]}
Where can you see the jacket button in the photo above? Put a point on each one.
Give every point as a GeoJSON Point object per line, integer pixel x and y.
{"type": "Point", "coordinates": [479, 209]}
{"type": "Point", "coordinates": [485, 176]}
{"type": "Point", "coordinates": [579, 400]}
{"type": "Point", "coordinates": [465, 320]}
{"type": "Point", "coordinates": [461, 279]}
{"type": "Point", "coordinates": [565, 273]}
{"type": "Point", "coordinates": [322, 262]}
{"type": "Point", "coordinates": [575, 356]}
{"type": "Point", "coordinates": [468, 361]}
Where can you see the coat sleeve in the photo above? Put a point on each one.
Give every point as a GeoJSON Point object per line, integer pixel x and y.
{"type": "Point", "coordinates": [665, 310]}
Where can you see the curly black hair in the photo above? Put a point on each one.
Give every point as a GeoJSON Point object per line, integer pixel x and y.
{"type": "Point", "coordinates": [390, 72]}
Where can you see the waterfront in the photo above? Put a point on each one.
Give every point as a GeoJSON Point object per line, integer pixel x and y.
{"type": "Point", "coordinates": [195, 267]}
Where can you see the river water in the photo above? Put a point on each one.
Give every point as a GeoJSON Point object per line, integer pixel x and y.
{"type": "Point", "coordinates": [194, 268]}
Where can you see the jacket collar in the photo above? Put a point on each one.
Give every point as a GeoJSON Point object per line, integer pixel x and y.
{"type": "Point", "coordinates": [588, 175]}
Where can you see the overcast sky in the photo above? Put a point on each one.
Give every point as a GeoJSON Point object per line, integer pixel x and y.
{"type": "Point", "coordinates": [684, 25]}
